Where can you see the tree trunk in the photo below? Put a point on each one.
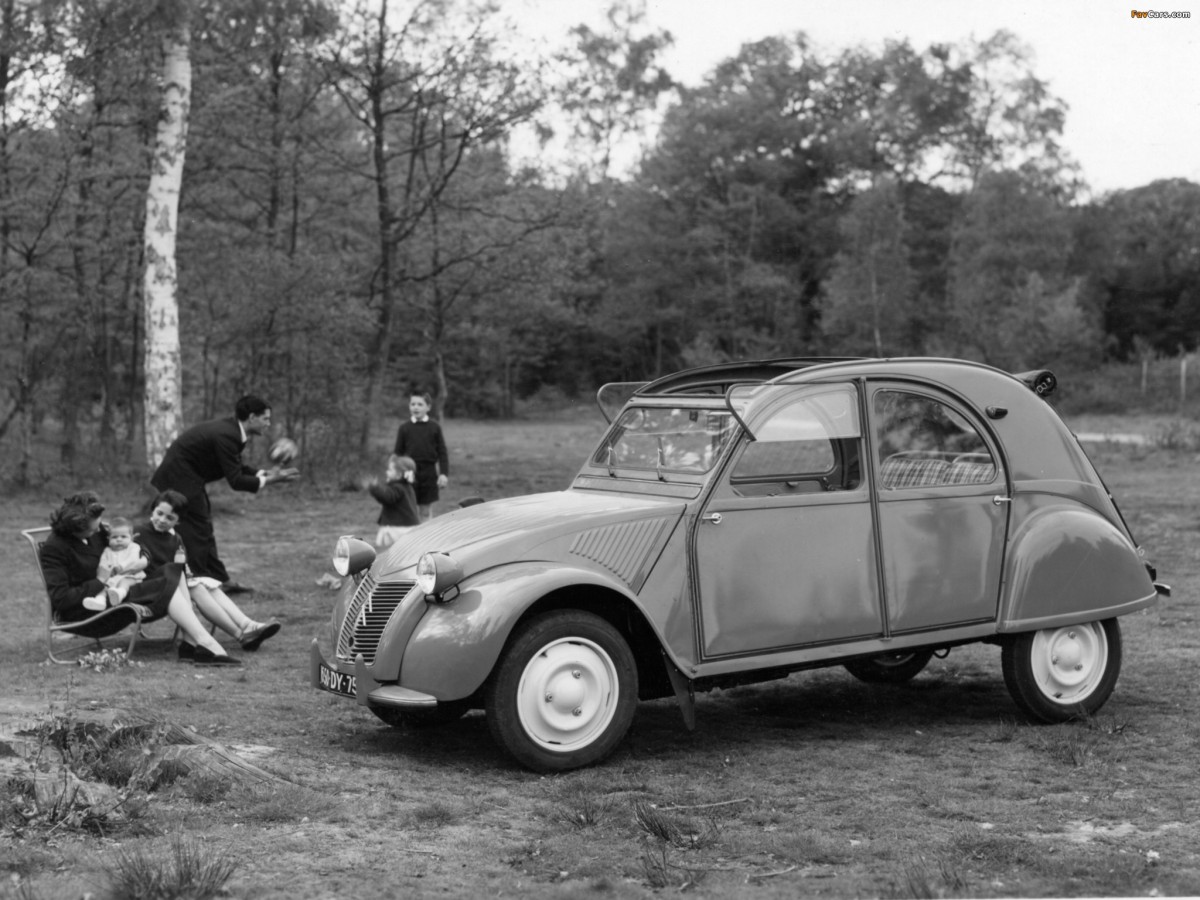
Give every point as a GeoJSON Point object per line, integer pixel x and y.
{"type": "Point", "coordinates": [164, 378]}
{"type": "Point", "coordinates": [381, 345]}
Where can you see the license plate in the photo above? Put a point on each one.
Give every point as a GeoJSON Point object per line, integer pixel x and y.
{"type": "Point", "coordinates": [335, 682]}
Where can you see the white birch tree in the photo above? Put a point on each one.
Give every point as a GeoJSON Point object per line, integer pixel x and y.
{"type": "Point", "coordinates": [164, 377]}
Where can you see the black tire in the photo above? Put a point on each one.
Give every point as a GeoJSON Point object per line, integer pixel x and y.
{"type": "Point", "coordinates": [1059, 674]}
{"type": "Point", "coordinates": [564, 692]}
{"type": "Point", "coordinates": [443, 714]}
{"type": "Point", "coordinates": [890, 668]}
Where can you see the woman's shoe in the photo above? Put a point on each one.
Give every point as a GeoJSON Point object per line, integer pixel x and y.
{"type": "Point", "coordinates": [205, 657]}
{"type": "Point", "coordinates": [187, 651]}
{"type": "Point", "coordinates": [252, 638]}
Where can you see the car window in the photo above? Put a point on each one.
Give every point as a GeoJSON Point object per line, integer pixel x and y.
{"type": "Point", "coordinates": [921, 441]}
{"type": "Point", "coordinates": [810, 443]}
{"type": "Point", "coordinates": [666, 439]}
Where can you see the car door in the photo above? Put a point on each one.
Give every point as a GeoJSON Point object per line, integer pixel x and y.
{"type": "Point", "coordinates": [943, 504]}
{"type": "Point", "coordinates": [783, 548]}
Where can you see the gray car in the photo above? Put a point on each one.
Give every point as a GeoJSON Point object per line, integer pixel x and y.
{"type": "Point", "coordinates": [740, 522]}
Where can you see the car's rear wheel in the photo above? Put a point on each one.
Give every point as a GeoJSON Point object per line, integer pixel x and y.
{"type": "Point", "coordinates": [564, 691]}
{"type": "Point", "coordinates": [442, 714]}
{"type": "Point", "coordinates": [1059, 674]}
{"type": "Point", "coordinates": [890, 668]}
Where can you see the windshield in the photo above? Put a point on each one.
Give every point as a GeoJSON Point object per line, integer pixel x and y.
{"type": "Point", "coordinates": [666, 439]}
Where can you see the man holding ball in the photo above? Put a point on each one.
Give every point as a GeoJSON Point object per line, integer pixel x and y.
{"type": "Point", "coordinates": [209, 452]}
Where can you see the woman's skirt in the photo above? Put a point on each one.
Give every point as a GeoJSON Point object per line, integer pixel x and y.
{"type": "Point", "coordinates": [155, 593]}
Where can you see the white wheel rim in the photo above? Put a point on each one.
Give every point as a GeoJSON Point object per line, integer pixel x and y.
{"type": "Point", "coordinates": [567, 694]}
{"type": "Point", "coordinates": [1069, 662]}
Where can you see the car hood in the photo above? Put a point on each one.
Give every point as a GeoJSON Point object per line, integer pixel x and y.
{"type": "Point", "coordinates": [536, 526]}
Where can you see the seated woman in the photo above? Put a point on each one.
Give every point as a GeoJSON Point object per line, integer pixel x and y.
{"type": "Point", "coordinates": [164, 548]}
{"type": "Point", "coordinates": [71, 558]}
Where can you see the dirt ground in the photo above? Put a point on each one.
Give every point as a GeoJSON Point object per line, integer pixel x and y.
{"type": "Point", "coordinates": [815, 785]}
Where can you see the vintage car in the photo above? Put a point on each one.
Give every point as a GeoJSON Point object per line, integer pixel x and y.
{"type": "Point", "coordinates": [740, 522]}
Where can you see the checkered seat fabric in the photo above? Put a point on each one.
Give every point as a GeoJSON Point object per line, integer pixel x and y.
{"type": "Point", "coordinates": [970, 473]}
{"type": "Point", "coordinates": [912, 471]}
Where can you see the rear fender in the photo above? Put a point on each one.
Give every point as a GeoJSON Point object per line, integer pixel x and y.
{"type": "Point", "coordinates": [455, 645]}
{"type": "Point", "coordinates": [1068, 564]}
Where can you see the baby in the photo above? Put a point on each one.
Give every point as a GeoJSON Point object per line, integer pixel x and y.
{"type": "Point", "coordinates": [122, 564]}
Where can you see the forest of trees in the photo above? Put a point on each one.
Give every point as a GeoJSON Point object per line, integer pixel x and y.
{"type": "Point", "coordinates": [354, 222]}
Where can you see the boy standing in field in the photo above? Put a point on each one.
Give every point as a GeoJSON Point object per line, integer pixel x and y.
{"type": "Point", "coordinates": [397, 498]}
{"type": "Point", "coordinates": [122, 564]}
{"type": "Point", "coordinates": [421, 439]}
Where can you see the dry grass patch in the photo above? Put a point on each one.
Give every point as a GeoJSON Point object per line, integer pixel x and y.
{"type": "Point", "coordinates": [190, 871]}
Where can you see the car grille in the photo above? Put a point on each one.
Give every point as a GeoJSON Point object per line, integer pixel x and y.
{"type": "Point", "coordinates": [367, 616]}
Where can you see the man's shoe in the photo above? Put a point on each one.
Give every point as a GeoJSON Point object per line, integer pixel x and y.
{"type": "Point", "coordinates": [252, 638]}
{"type": "Point", "coordinates": [187, 651]}
{"type": "Point", "coordinates": [232, 587]}
{"type": "Point", "coordinates": [205, 657]}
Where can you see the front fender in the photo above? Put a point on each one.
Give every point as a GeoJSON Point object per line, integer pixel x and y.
{"type": "Point", "coordinates": [1068, 564]}
{"type": "Point", "coordinates": [455, 645]}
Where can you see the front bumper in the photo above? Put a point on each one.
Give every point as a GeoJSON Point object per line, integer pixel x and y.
{"type": "Point", "coordinates": [361, 686]}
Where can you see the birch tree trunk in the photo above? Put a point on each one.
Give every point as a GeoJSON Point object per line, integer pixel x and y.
{"type": "Point", "coordinates": [164, 377]}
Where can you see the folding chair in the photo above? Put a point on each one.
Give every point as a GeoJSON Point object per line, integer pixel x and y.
{"type": "Point", "coordinates": [106, 623]}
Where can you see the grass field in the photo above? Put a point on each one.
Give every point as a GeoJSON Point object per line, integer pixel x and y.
{"type": "Point", "coordinates": [815, 785]}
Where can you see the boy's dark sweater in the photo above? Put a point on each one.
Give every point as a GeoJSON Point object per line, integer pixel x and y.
{"type": "Point", "coordinates": [424, 443]}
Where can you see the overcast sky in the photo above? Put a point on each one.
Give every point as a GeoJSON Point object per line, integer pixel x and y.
{"type": "Point", "coordinates": [1132, 85]}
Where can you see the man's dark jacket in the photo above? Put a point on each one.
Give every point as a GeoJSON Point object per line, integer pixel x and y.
{"type": "Point", "coordinates": [204, 453]}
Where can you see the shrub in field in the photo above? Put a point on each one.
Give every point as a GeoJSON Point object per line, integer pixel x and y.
{"type": "Point", "coordinates": [1005, 731]}
{"type": "Point", "coordinates": [123, 757]}
{"type": "Point", "coordinates": [661, 872]}
{"type": "Point", "coordinates": [82, 776]}
{"type": "Point", "coordinates": [926, 878]}
{"type": "Point", "coordinates": [204, 787]}
{"type": "Point", "coordinates": [1075, 745]}
{"type": "Point", "coordinates": [581, 810]}
{"type": "Point", "coordinates": [57, 801]}
{"type": "Point", "coordinates": [681, 832]}
{"type": "Point", "coordinates": [190, 871]}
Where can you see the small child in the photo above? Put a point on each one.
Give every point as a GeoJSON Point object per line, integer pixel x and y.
{"type": "Point", "coordinates": [397, 498]}
{"type": "Point", "coordinates": [122, 564]}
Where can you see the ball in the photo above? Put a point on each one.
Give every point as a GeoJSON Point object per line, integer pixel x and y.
{"type": "Point", "coordinates": [283, 451]}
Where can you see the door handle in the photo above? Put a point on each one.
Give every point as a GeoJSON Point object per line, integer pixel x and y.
{"type": "Point", "coordinates": [715, 518]}
{"type": "Point", "coordinates": [999, 499]}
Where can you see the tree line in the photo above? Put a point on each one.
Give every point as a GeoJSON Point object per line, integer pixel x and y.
{"type": "Point", "coordinates": [355, 222]}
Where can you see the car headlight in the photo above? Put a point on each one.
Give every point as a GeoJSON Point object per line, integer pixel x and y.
{"type": "Point", "coordinates": [351, 555]}
{"type": "Point", "coordinates": [438, 574]}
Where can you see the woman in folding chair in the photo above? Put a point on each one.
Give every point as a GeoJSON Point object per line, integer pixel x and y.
{"type": "Point", "coordinates": [70, 559]}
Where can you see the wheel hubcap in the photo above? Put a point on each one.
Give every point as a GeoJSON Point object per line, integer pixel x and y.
{"type": "Point", "coordinates": [568, 694]}
{"type": "Point", "coordinates": [1068, 663]}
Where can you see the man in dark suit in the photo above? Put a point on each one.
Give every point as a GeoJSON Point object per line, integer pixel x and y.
{"type": "Point", "coordinates": [209, 452]}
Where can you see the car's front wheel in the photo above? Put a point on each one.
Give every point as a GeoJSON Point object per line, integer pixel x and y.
{"type": "Point", "coordinates": [564, 691]}
{"type": "Point", "coordinates": [1059, 674]}
{"type": "Point", "coordinates": [890, 668]}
